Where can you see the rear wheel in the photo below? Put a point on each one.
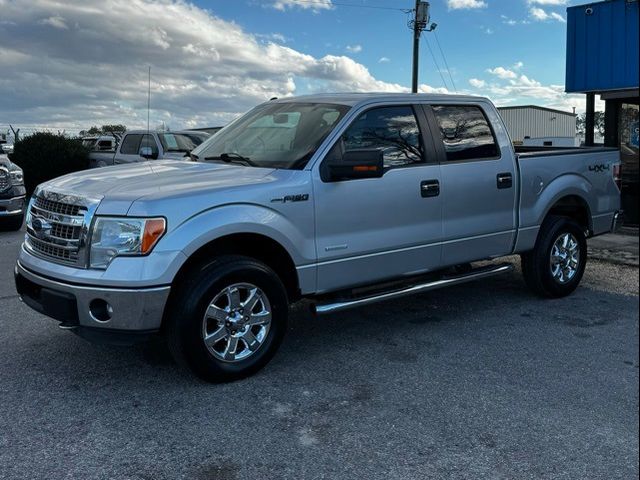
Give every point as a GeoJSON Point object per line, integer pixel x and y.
{"type": "Point", "coordinates": [555, 266]}
{"type": "Point", "coordinates": [228, 319]}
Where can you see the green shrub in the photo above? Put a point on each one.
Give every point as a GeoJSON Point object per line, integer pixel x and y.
{"type": "Point", "coordinates": [44, 156]}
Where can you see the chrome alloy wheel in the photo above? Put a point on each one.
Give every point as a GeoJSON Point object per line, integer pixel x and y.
{"type": "Point", "coordinates": [565, 258]}
{"type": "Point", "coordinates": [236, 322]}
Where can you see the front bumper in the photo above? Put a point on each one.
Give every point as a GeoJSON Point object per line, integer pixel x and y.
{"type": "Point", "coordinates": [107, 310]}
{"type": "Point", "coordinates": [12, 206]}
{"type": "Point", "coordinates": [617, 220]}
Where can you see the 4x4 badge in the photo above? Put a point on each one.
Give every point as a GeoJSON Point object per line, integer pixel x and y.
{"type": "Point", "coordinates": [598, 168]}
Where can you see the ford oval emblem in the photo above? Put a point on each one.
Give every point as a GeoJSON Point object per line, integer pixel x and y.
{"type": "Point", "coordinates": [40, 226]}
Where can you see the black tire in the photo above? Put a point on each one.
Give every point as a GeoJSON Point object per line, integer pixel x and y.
{"type": "Point", "coordinates": [185, 317]}
{"type": "Point", "coordinates": [12, 224]}
{"type": "Point", "coordinates": [536, 264]}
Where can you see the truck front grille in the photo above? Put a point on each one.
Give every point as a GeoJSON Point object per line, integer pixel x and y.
{"type": "Point", "coordinates": [56, 207]}
{"type": "Point", "coordinates": [57, 227]}
{"type": "Point", "coordinates": [4, 179]}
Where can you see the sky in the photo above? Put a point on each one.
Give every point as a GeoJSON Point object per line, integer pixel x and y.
{"type": "Point", "coordinates": [68, 65]}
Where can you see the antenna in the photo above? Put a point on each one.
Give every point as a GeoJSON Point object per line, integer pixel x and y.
{"type": "Point", "coordinates": [148, 99]}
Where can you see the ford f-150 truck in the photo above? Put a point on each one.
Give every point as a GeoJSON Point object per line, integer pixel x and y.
{"type": "Point", "coordinates": [344, 200]}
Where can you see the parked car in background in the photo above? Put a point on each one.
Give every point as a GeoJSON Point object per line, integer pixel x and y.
{"type": "Point", "coordinates": [140, 146]}
{"type": "Point", "coordinates": [101, 149]}
{"type": "Point", "coordinates": [209, 130]}
{"type": "Point", "coordinates": [12, 195]}
{"type": "Point", "coordinates": [6, 148]}
{"type": "Point", "coordinates": [345, 200]}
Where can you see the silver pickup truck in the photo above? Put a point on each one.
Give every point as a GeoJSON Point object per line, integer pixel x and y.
{"type": "Point", "coordinates": [12, 195]}
{"type": "Point", "coordinates": [344, 200]}
{"type": "Point", "coordinates": [141, 145]}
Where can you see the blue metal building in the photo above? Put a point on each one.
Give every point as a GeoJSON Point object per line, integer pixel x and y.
{"type": "Point", "coordinates": [603, 59]}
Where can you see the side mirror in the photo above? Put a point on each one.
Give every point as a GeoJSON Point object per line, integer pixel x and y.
{"type": "Point", "coordinates": [360, 163]}
{"type": "Point", "coordinates": [147, 152]}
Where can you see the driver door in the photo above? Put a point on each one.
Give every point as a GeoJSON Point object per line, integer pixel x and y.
{"type": "Point", "coordinates": [373, 229]}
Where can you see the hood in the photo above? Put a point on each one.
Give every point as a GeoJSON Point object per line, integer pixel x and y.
{"type": "Point", "coordinates": [6, 163]}
{"type": "Point", "coordinates": [119, 186]}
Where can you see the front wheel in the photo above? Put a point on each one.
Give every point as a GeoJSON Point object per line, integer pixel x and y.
{"type": "Point", "coordinates": [555, 266]}
{"type": "Point", "coordinates": [228, 319]}
{"type": "Point", "coordinates": [13, 223]}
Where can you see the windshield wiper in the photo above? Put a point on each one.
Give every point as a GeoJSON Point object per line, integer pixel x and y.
{"type": "Point", "coordinates": [232, 157]}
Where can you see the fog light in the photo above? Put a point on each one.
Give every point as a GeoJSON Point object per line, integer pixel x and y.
{"type": "Point", "coordinates": [100, 310]}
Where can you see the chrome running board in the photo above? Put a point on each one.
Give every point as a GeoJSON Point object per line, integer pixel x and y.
{"type": "Point", "coordinates": [323, 308]}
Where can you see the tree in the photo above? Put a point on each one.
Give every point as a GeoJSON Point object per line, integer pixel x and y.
{"type": "Point", "coordinates": [598, 121]}
{"type": "Point", "coordinates": [94, 131]}
{"type": "Point", "coordinates": [43, 156]}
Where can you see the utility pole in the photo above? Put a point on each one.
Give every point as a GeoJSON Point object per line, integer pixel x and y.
{"type": "Point", "coordinates": [418, 24]}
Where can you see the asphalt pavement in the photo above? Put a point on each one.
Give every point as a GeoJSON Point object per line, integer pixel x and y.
{"type": "Point", "coordinates": [481, 380]}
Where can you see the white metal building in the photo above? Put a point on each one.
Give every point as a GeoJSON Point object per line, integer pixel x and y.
{"type": "Point", "coordinates": [539, 125]}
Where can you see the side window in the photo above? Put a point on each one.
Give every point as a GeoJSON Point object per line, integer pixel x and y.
{"type": "Point", "coordinates": [149, 141]}
{"type": "Point", "coordinates": [465, 132]}
{"type": "Point", "coordinates": [131, 144]}
{"type": "Point", "coordinates": [394, 130]}
{"type": "Point", "coordinates": [105, 146]}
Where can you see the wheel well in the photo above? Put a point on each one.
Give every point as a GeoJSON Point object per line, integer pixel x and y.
{"type": "Point", "coordinates": [253, 245]}
{"type": "Point", "coordinates": [574, 207]}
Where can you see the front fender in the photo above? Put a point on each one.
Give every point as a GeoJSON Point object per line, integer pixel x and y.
{"type": "Point", "coordinates": [220, 221]}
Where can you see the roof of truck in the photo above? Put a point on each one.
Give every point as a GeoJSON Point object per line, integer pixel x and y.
{"type": "Point", "coordinates": [352, 99]}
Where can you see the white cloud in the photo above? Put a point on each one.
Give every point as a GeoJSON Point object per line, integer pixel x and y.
{"type": "Point", "coordinates": [517, 66]}
{"type": "Point", "coordinates": [354, 48]}
{"type": "Point", "coordinates": [488, 31]}
{"type": "Point", "coordinates": [541, 15]}
{"type": "Point", "coordinates": [204, 70]}
{"type": "Point", "coordinates": [465, 4]}
{"type": "Point", "coordinates": [502, 72]}
{"type": "Point", "coordinates": [520, 89]}
{"type": "Point", "coordinates": [55, 21]}
{"type": "Point", "coordinates": [547, 2]}
{"type": "Point", "coordinates": [313, 5]}
{"type": "Point", "coordinates": [384, 60]}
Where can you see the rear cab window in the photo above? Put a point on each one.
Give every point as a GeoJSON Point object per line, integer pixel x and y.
{"type": "Point", "coordinates": [465, 132]}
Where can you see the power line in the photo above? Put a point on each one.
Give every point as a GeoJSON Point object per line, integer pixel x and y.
{"type": "Point", "coordinates": [436, 63]}
{"type": "Point", "coordinates": [445, 62]}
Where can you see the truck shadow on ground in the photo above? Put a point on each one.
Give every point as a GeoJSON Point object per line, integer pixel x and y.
{"type": "Point", "coordinates": [402, 332]}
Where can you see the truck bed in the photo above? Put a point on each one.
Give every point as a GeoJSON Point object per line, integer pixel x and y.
{"type": "Point", "coordinates": [535, 151]}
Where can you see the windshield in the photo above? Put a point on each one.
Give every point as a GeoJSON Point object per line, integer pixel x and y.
{"type": "Point", "coordinates": [180, 142]}
{"type": "Point", "coordinates": [274, 135]}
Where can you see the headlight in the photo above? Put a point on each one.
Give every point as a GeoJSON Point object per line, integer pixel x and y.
{"type": "Point", "coordinates": [17, 178]}
{"type": "Point", "coordinates": [112, 237]}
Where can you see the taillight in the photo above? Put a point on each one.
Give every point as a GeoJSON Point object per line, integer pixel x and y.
{"type": "Point", "coordinates": [617, 175]}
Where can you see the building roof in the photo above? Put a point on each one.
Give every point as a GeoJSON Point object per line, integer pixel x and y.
{"type": "Point", "coordinates": [537, 107]}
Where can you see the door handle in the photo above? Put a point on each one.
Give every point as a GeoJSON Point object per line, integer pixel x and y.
{"type": "Point", "coordinates": [505, 180]}
{"type": "Point", "coordinates": [429, 188]}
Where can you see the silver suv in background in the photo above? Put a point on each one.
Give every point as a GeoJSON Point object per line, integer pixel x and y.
{"type": "Point", "coordinates": [12, 195]}
{"type": "Point", "coordinates": [344, 200]}
{"type": "Point", "coordinates": [141, 146]}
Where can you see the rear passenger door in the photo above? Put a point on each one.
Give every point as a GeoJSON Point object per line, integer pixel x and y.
{"type": "Point", "coordinates": [478, 184]}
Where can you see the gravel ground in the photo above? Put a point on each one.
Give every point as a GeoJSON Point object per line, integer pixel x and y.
{"type": "Point", "coordinates": [482, 380]}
